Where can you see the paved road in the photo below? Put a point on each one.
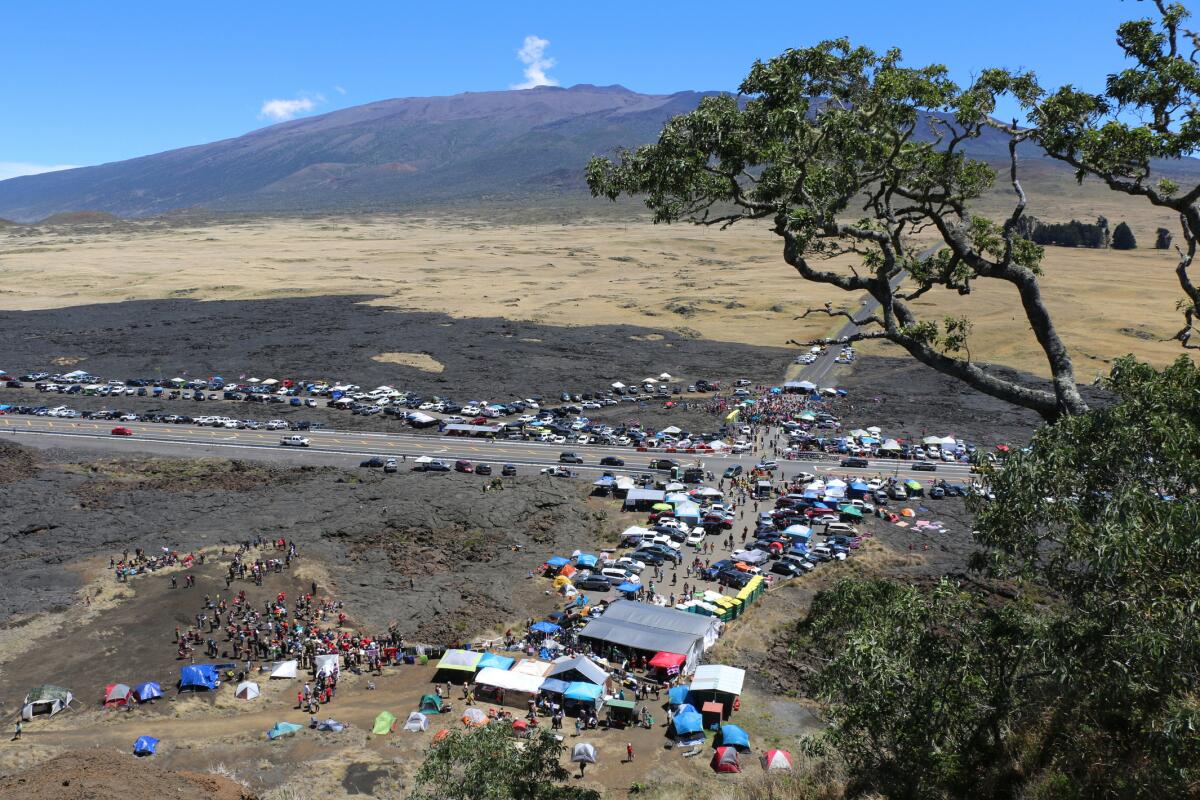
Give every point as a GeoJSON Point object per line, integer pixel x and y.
{"type": "Point", "coordinates": [342, 448]}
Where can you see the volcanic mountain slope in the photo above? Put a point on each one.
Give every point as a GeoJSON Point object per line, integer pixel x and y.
{"type": "Point", "coordinates": [478, 146]}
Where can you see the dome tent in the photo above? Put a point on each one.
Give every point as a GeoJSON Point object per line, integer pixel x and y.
{"type": "Point", "coordinates": [145, 692]}
{"type": "Point", "coordinates": [725, 760]}
{"type": "Point", "coordinates": [777, 761]}
{"type": "Point", "coordinates": [583, 753]}
{"type": "Point", "coordinates": [385, 723]}
{"type": "Point", "coordinates": [46, 699]}
{"type": "Point", "coordinates": [247, 690]}
{"type": "Point", "coordinates": [416, 722]}
{"type": "Point", "coordinates": [145, 746]}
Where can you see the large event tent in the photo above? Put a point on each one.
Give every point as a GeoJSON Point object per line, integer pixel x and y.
{"type": "Point", "coordinates": [509, 680]}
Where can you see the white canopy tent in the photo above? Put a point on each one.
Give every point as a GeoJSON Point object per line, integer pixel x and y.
{"type": "Point", "coordinates": [532, 666]}
{"type": "Point", "coordinates": [509, 680]}
{"type": "Point", "coordinates": [326, 664]}
{"type": "Point", "coordinates": [718, 678]}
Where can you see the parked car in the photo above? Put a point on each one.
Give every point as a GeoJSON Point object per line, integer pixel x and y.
{"type": "Point", "coordinates": [593, 583]}
{"type": "Point", "coordinates": [391, 466]}
{"type": "Point", "coordinates": [788, 568]}
{"type": "Point", "coordinates": [508, 470]}
{"type": "Point", "coordinates": [373, 463]}
{"type": "Point", "coordinates": [483, 469]}
{"type": "Point", "coordinates": [734, 471]}
{"type": "Point", "coordinates": [437, 466]}
{"type": "Point", "coordinates": [462, 465]}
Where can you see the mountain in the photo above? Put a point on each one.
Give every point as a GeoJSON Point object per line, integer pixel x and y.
{"type": "Point", "coordinates": [486, 145]}
{"type": "Point", "coordinates": [480, 146]}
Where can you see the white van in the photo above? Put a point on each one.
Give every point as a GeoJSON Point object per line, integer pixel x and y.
{"type": "Point", "coordinates": [294, 441]}
{"type": "Point", "coordinates": [843, 528]}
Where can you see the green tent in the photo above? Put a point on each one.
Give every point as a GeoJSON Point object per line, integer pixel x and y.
{"type": "Point", "coordinates": [850, 511]}
{"type": "Point", "coordinates": [912, 485]}
{"type": "Point", "coordinates": [430, 704]}
{"type": "Point", "coordinates": [384, 723]}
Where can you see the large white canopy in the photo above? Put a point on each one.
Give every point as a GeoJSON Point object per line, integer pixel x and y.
{"type": "Point", "coordinates": [326, 664]}
{"type": "Point", "coordinates": [718, 678]}
{"type": "Point", "coordinates": [509, 680]}
{"type": "Point", "coordinates": [247, 690]}
{"type": "Point", "coordinates": [531, 666]}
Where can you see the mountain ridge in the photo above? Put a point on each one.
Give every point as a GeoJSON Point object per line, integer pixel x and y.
{"type": "Point", "coordinates": [401, 152]}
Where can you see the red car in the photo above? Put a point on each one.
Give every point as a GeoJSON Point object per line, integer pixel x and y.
{"type": "Point", "coordinates": [464, 466]}
{"type": "Point", "coordinates": [121, 431]}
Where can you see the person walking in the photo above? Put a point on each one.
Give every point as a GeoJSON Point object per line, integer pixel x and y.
{"type": "Point", "coordinates": [629, 752]}
{"type": "Point", "coordinates": [20, 728]}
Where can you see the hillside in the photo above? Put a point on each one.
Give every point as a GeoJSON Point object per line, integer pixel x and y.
{"type": "Point", "coordinates": [486, 147]}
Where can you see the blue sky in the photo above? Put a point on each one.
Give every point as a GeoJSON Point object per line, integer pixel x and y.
{"type": "Point", "coordinates": [89, 82]}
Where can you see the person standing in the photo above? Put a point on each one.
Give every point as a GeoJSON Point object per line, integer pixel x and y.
{"type": "Point", "coordinates": [629, 752]}
{"type": "Point", "coordinates": [20, 728]}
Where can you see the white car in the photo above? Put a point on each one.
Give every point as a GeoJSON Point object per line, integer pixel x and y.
{"type": "Point", "coordinates": [696, 539]}
{"type": "Point", "coordinates": [294, 441]}
{"type": "Point", "coordinates": [277, 425]}
{"type": "Point", "coordinates": [591, 405]}
{"type": "Point", "coordinates": [631, 564]}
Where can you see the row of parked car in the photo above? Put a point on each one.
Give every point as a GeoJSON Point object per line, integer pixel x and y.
{"type": "Point", "coordinates": [66, 412]}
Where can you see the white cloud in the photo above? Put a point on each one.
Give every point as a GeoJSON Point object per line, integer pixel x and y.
{"type": "Point", "coordinates": [283, 109]}
{"type": "Point", "coordinates": [533, 55]}
{"type": "Point", "coordinates": [339, 90]}
{"type": "Point", "coordinates": [15, 169]}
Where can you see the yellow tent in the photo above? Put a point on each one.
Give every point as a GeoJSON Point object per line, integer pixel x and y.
{"type": "Point", "coordinates": [561, 581]}
{"type": "Point", "coordinates": [732, 415]}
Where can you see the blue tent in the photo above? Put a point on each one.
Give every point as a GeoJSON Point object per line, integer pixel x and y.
{"type": "Point", "coordinates": [688, 723]}
{"type": "Point", "coordinates": [493, 660]}
{"type": "Point", "coordinates": [581, 690]}
{"type": "Point", "coordinates": [857, 489]}
{"type": "Point", "coordinates": [586, 560]}
{"type": "Point", "coordinates": [628, 588]}
{"type": "Point", "coordinates": [686, 708]}
{"type": "Point", "coordinates": [283, 729]}
{"type": "Point", "coordinates": [557, 561]}
{"type": "Point", "coordinates": [145, 746]}
{"type": "Point", "coordinates": [147, 691]}
{"type": "Point", "coordinates": [733, 736]}
{"type": "Point", "coordinates": [678, 695]}
{"type": "Point", "coordinates": [545, 627]}
{"type": "Point", "coordinates": [199, 676]}
{"type": "Point", "coordinates": [554, 686]}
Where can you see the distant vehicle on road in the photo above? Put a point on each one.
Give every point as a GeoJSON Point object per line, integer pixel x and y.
{"type": "Point", "coordinates": [121, 430]}
{"type": "Point", "coordinates": [855, 461]}
{"type": "Point", "coordinates": [612, 461]}
{"type": "Point", "coordinates": [570, 458]}
{"type": "Point", "coordinates": [294, 441]}
{"type": "Point", "coordinates": [925, 466]}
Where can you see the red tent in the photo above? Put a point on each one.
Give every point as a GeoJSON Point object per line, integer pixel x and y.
{"type": "Point", "coordinates": [117, 694]}
{"type": "Point", "coordinates": [776, 760]}
{"type": "Point", "coordinates": [725, 760]}
{"type": "Point", "coordinates": [671, 662]}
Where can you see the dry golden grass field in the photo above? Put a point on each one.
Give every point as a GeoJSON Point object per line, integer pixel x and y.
{"type": "Point", "coordinates": [722, 285]}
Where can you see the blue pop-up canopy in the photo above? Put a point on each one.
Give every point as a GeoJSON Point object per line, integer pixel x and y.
{"type": "Point", "coordinates": [145, 746]}
{"type": "Point", "coordinates": [586, 560]}
{"type": "Point", "coordinates": [493, 660]}
{"type": "Point", "coordinates": [283, 729]}
{"type": "Point", "coordinates": [558, 561]}
{"type": "Point", "coordinates": [581, 690]}
{"type": "Point", "coordinates": [628, 588]}
{"type": "Point", "coordinates": [678, 695]}
{"type": "Point", "coordinates": [545, 627]}
{"type": "Point", "coordinates": [554, 686]}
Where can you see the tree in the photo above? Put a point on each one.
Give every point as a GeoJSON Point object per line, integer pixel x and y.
{"type": "Point", "coordinates": [1149, 111]}
{"type": "Point", "coordinates": [488, 764]}
{"type": "Point", "coordinates": [859, 173]}
{"type": "Point", "coordinates": [1079, 678]}
{"type": "Point", "coordinates": [1162, 239]}
{"type": "Point", "coordinates": [1122, 238]}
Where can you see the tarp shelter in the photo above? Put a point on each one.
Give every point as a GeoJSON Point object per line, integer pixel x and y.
{"type": "Point", "coordinates": [283, 729]}
{"type": "Point", "coordinates": [891, 446]}
{"type": "Point", "coordinates": [725, 760]}
{"type": "Point", "coordinates": [474, 717]}
{"type": "Point", "coordinates": [46, 699]}
{"type": "Point", "coordinates": [734, 736]}
{"type": "Point", "coordinates": [331, 725]}
{"type": "Point", "coordinates": [718, 678]}
{"type": "Point", "coordinates": [678, 695]}
{"type": "Point", "coordinates": [385, 723]}
{"type": "Point", "coordinates": [643, 498]}
{"type": "Point", "coordinates": [117, 694]}
{"type": "Point", "coordinates": [494, 661]}
{"type": "Point", "coordinates": [196, 677]}
{"type": "Point", "coordinates": [247, 690]}
{"type": "Point", "coordinates": [628, 588]}
{"type": "Point", "coordinates": [554, 686]}
{"type": "Point", "coordinates": [777, 761]}
{"type": "Point", "coordinates": [285, 669]}
{"type": "Point", "coordinates": [509, 681]}
{"type": "Point", "coordinates": [583, 753]}
{"type": "Point", "coordinates": [585, 560]}
{"type": "Point", "coordinates": [462, 663]}
{"type": "Point", "coordinates": [431, 704]}
{"type": "Point", "coordinates": [687, 723]}
{"type": "Point", "coordinates": [583, 691]}
{"type": "Point", "coordinates": [145, 746]}
{"type": "Point", "coordinates": [325, 664]}
{"type": "Point", "coordinates": [145, 692]}
{"type": "Point", "coordinates": [416, 722]}
{"type": "Point", "coordinates": [578, 668]}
